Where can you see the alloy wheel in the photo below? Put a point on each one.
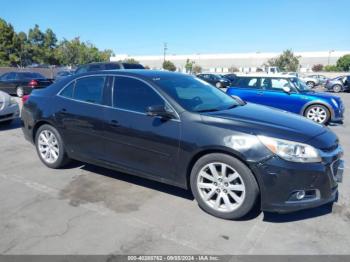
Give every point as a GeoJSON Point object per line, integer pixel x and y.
{"type": "Point", "coordinates": [19, 91]}
{"type": "Point", "coordinates": [317, 114]}
{"type": "Point", "coordinates": [221, 187]}
{"type": "Point", "coordinates": [48, 146]}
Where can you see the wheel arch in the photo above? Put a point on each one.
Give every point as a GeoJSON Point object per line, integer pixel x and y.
{"type": "Point", "coordinates": [204, 152]}
{"type": "Point", "coordinates": [38, 125]}
{"type": "Point", "coordinates": [318, 102]}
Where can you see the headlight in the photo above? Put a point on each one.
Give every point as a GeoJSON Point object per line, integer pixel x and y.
{"type": "Point", "coordinates": [13, 101]}
{"type": "Point", "coordinates": [291, 151]}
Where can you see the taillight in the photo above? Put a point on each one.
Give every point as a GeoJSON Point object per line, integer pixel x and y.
{"type": "Point", "coordinates": [33, 83]}
{"type": "Point", "coordinates": [25, 98]}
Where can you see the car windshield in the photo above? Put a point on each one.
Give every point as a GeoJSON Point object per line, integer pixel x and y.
{"type": "Point", "coordinates": [300, 85]}
{"type": "Point", "coordinates": [196, 95]}
{"type": "Point", "coordinates": [30, 75]}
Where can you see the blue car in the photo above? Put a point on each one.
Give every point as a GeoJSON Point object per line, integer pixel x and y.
{"type": "Point", "coordinates": [288, 93]}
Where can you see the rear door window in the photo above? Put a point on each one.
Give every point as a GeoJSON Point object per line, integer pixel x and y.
{"type": "Point", "coordinates": [68, 90]}
{"type": "Point", "coordinates": [90, 89]}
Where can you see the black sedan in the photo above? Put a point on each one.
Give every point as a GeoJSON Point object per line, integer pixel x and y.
{"type": "Point", "coordinates": [22, 83]}
{"type": "Point", "coordinates": [215, 80]}
{"type": "Point", "coordinates": [180, 130]}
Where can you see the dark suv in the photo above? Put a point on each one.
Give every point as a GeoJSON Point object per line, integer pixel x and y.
{"type": "Point", "coordinates": [106, 66]}
{"type": "Point", "coordinates": [180, 130]}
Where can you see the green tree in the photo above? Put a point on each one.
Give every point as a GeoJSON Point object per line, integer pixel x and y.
{"type": "Point", "coordinates": [233, 69]}
{"type": "Point", "coordinates": [7, 48]}
{"type": "Point", "coordinates": [343, 63]}
{"type": "Point", "coordinates": [287, 61]}
{"type": "Point", "coordinates": [36, 39]}
{"type": "Point", "coordinates": [197, 69]}
{"type": "Point", "coordinates": [331, 68]}
{"type": "Point", "coordinates": [168, 65]}
{"type": "Point", "coordinates": [130, 61]}
{"type": "Point", "coordinates": [75, 52]}
{"type": "Point", "coordinates": [317, 68]}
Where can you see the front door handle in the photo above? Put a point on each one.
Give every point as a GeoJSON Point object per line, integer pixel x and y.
{"type": "Point", "coordinates": [260, 93]}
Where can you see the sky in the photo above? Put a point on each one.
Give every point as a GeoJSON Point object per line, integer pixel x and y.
{"type": "Point", "coordinates": [140, 27]}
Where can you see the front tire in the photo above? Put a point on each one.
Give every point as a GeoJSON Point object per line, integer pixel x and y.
{"type": "Point", "coordinates": [218, 85]}
{"type": "Point", "coordinates": [318, 113]}
{"type": "Point", "coordinates": [50, 147]}
{"type": "Point", "coordinates": [223, 186]}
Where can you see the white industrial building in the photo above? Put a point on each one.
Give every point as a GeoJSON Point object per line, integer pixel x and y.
{"type": "Point", "coordinates": [245, 62]}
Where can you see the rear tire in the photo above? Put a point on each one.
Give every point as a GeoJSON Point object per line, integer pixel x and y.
{"type": "Point", "coordinates": [50, 147]}
{"type": "Point", "coordinates": [223, 186]}
{"type": "Point", "coordinates": [218, 85]}
{"type": "Point", "coordinates": [337, 88]}
{"type": "Point", "coordinates": [310, 84]}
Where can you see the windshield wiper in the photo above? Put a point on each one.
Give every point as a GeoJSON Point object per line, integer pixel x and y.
{"type": "Point", "coordinates": [208, 110]}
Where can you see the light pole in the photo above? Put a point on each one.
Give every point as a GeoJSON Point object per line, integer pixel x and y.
{"type": "Point", "coordinates": [329, 55]}
{"type": "Point", "coordinates": [165, 48]}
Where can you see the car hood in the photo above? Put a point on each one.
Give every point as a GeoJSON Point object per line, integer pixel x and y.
{"type": "Point", "coordinates": [322, 95]}
{"type": "Point", "coordinates": [261, 120]}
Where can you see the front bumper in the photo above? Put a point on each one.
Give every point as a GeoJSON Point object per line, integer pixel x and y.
{"type": "Point", "coordinates": [280, 180]}
{"type": "Point", "coordinates": [9, 112]}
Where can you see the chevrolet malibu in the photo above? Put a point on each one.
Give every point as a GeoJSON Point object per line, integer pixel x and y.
{"type": "Point", "coordinates": [180, 130]}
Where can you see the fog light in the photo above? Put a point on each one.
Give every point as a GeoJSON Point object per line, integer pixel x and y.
{"type": "Point", "coordinates": [300, 194]}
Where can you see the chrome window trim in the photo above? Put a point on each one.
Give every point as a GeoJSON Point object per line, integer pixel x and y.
{"type": "Point", "coordinates": [113, 107]}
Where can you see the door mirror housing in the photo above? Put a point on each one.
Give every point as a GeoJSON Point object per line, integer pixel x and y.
{"type": "Point", "coordinates": [287, 89]}
{"type": "Point", "coordinates": [161, 111]}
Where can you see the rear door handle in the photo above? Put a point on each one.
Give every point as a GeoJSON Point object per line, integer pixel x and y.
{"type": "Point", "coordinates": [63, 110]}
{"type": "Point", "coordinates": [114, 123]}
{"type": "Point", "coordinates": [260, 93]}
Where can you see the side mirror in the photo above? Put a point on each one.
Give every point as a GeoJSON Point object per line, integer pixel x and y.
{"type": "Point", "coordinates": [286, 89]}
{"type": "Point", "coordinates": [161, 111]}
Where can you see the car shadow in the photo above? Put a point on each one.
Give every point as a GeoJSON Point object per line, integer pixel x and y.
{"type": "Point", "coordinates": [16, 123]}
{"type": "Point", "coordinates": [187, 194]}
{"type": "Point", "coordinates": [147, 183]}
{"type": "Point", "coordinates": [298, 215]}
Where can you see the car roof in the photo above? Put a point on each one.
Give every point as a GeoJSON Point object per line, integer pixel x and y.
{"type": "Point", "coordinates": [145, 73]}
{"type": "Point", "coordinates": [266, 75]}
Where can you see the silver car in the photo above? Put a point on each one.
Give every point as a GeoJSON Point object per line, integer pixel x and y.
{"type": "Point", "coordinates": [338, 84]}
{"type": "Point", "coordinates": [9, 109]}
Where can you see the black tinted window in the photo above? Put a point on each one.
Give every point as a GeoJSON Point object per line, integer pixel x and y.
{"type": "Point", "coordinates": [134, 95]}
{"type": "Point", "coordinates": [247, 82]}
{"type": "Point", "coordinates": [133, 66]}
{"type": "Point", "coordinates": [68, 90]}
{"type": "Point", "coordinates": [90, 89]}
{"type": "Point", "coordinates": [112, 66]}
{"type": "Point", "coordinates": [82, 69]}
{"type": "Point", "coordinates": [29, 75]}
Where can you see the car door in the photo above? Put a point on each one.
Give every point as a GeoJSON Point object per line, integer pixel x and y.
{"type": "Point", "coordinates": [275, 96]}
{"type": "Point", "coordinates": [135, 140]}
{"type": "Point", "coordinates": [81, 117]}
{"type": "Point", "coordinates": [248, 89]}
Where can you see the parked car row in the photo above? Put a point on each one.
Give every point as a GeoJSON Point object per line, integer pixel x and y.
{"type": "Point", "coordinates": [288, 93]}
{"type": "Point", "coordinates": [178, 129]}
{"type": "Point", "coordinates": [338, 84]}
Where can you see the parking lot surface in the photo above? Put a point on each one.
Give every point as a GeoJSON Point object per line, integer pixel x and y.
{"type": "Point", "coordinates": [84, 209]}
